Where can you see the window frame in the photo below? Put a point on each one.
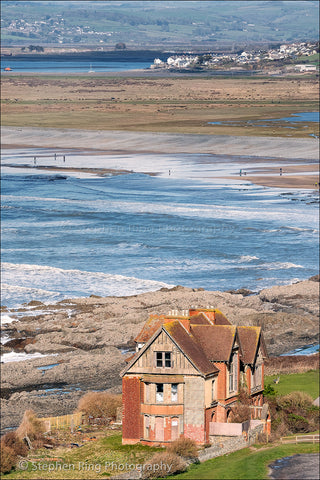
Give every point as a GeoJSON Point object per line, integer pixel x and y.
{"type": "Point", "coordinates": [163, 359]}
{"type": "Point", "coordinates": [159, 394]}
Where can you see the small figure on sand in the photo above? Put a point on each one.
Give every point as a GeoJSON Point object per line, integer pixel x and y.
{"type": "Point", "coordinates": [34, 160]}
{"type": "Point", "coordinates": [64, 158]}
{"type": "Point", "coordinates": [280, 172]}
{"type": "Point", "coordinates": [55, 156]}
{"type": "Point", "coordinates": [169, 173]}
{"type": "Point", "coordinates": [240, 173]}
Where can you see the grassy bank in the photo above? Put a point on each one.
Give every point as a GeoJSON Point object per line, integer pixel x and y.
{"type": "Point", "coordinates": [96, 459]}
{"type": "Point", "coordinates": [177, 105]}
{"type": "Point", "coordinates": [247, 464]}
{"type": "Point", "coordinates": [307, 382]}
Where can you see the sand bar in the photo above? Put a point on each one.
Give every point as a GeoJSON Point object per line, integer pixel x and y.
{"type": "Point", "coordinates": [277, 147]}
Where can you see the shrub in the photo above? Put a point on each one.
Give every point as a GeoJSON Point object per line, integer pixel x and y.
{"type": "Point", "coordinates": [184, 447]}
{"type": "Point", "coordinates": [12, 441]}
{"type": "Point", "coordinates": [269, 390]}
{"type": "Point", "coordinates": [295, 400]}
{"type": "Point", "coordinates": [8, 458]}
{"type": "Point", "coordinates": [162, 465]}
{"type": "Point", "coordinates": [240, 413]}
{"type": "Point", "coordinates": [32, 428]}
{"type": "Point", "coordinates": [298, 424]}
{"type": "Point", "coordinates": [100, 405]}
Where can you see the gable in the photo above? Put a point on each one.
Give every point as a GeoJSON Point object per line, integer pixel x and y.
{"type": "Point", "coordinates": [144, 361]}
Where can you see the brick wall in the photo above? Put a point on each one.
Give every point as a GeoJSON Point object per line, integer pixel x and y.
{"type": "Point", "coordinates": [131, 426]}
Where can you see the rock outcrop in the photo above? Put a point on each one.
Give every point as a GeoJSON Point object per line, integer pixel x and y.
{"type": "Point", "coordinates": [87, 339]}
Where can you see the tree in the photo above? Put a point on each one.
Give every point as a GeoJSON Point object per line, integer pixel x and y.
{"type": "Point", "coordinates": [120, 46]}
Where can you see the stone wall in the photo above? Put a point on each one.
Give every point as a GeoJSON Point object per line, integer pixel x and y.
{"type": "Point", "coordinates": [223, 445]}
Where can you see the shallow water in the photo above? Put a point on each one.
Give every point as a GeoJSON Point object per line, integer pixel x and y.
{"type": "Point", "coordinates": [122, 235]}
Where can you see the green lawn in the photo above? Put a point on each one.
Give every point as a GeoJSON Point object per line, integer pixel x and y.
{"type": "Point", "coordinates": [306, 382]}
{"type": "Point", "coordinates": [244, 464]}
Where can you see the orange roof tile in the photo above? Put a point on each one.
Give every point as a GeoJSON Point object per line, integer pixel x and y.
{"type": "Point", "coordinates": [150, 327]}
{"type": "Point", "coordinates": [190, 347]}
{"type": "Point", "coordinates": [215, 340]}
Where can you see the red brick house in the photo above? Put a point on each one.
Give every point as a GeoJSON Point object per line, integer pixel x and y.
{"type": "Point", "coordinates": [186, 374]}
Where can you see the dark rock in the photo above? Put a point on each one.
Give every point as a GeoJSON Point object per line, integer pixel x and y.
{"type": "Point", "coordinates": [315, 278]}
{"type": "Point", "coordinates": [241, 291]}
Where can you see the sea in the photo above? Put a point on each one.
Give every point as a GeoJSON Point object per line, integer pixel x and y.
{"type": "Point", "coordinates": [82, 63]}
{"type": "Point", "coordinates": [72, 234]}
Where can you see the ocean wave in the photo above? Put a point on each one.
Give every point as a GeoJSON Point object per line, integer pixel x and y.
{"type": "Point", "coordinates": [5, 319]}
{"type": "Point", "coordinates": [31, 282]}
{"type": "Point", "coordinates": [280, 265]}
{"type": "Point", "coordinates": [187, 210]}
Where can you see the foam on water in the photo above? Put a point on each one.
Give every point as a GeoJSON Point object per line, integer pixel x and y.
{"type": "Point", "coordinates": [134, 233]}
{"type": "Point", "coordinates": [21, 357]}
{"type": "Point", "coordinates": [67, 283]}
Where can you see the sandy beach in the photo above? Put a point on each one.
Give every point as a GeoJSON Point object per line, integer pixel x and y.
{"type": "Point", "coordinates": [303, 153]}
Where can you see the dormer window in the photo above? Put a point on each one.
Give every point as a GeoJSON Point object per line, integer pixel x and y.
{"type": "Point", "coordinates": [163, 359]}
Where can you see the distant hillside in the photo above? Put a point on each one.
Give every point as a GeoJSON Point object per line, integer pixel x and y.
{"type": "Point", "coordinates": [153, 23]}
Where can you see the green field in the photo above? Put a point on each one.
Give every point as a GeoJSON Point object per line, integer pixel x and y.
{"type": "Point", "coordinates": [305, 382]}
{"type": "Point", "coordinates": [247, 464]}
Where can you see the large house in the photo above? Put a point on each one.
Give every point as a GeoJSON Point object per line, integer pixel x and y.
{"type": "Point", "coordinates": [186, 375]}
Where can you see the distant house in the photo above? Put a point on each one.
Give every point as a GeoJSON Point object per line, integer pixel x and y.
{"type": "Point", "coordinates": [186, 375]}
{"type": "Point", "coordinates": [306, 68]}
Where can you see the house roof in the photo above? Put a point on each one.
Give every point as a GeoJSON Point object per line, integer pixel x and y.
{"type": "Point", "coordinates": [215, 340]}
{"type": "Point", "coordinates": [190, 347]}
{"type": "Point", "coordinates": [200, 319]}
{"type": "Point", "coordinates": [249, 341]}
{"type": "Point", "coordinates": [220, 319]}
{"type": "Point", "coordinates": [150, 327]}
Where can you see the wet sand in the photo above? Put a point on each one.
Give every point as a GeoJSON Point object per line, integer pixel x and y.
{"type": "Point", "coordinates": [303, 153]}
{"type": "Point", "coordinates": [276, 147]}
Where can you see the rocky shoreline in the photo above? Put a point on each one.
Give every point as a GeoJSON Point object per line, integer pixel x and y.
{"type": "Point", "coordinates": [86, 340]}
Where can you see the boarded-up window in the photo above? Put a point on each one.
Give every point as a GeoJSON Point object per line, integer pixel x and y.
{"type": "Point", "coordinates": [147, 426]}
{"type": "Point", "coordinates": [147, 394]}
{"type": "Point", "coordinates": [159, 430]}
{"type": "Point", "coordinates": [174, 428]}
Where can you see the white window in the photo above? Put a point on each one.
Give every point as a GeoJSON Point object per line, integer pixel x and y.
{"type": "Point", "coordinates": [233, 374]}
{"type": "Point", "coordinates": [159, 392]}
{"type": "Point", "coordinates": [213, 390]}
{"type": "Point", "coordinates": [174, 392]}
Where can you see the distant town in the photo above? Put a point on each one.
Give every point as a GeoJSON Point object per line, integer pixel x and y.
{"type": "Point", "coordinates": [286, 54]}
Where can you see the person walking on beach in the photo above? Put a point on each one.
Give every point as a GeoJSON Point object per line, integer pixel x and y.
{"type": "Point", "coordinates": [280, 172]}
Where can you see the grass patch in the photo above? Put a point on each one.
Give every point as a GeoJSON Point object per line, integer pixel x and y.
{"type": "Point", "coordinates": [177, 105]}
{"type": "Point", "coordinates": [87, 462]}
{"type": "Point", "coordinates": [245, 464]}
{"type": "Point", "coordinates": [307, 382]}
